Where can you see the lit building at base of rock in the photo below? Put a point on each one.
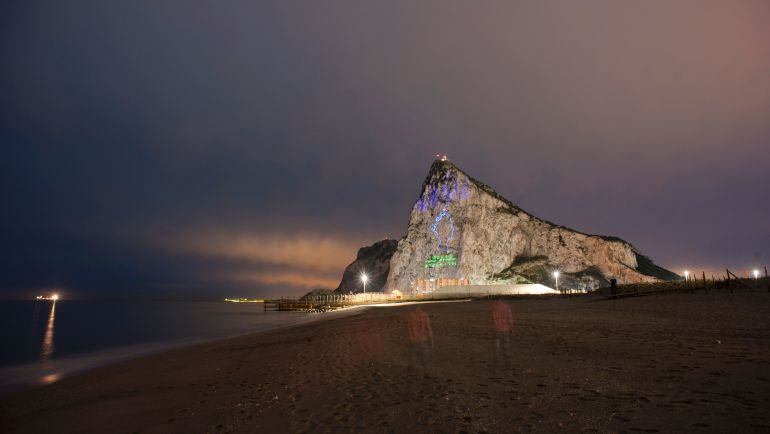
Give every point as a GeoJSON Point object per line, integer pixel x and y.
{"type": "Point", "coordinates": [428, 286]}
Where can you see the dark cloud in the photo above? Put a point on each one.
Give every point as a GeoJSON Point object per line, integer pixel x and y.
{"type": "Point", "coordinates": [124, 124]}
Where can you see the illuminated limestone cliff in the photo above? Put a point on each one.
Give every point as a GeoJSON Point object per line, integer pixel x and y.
{"type": "Point", "coordinates": [462, 231]}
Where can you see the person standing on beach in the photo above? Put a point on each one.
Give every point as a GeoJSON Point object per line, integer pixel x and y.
{"type": "Point", "coordinates": [502, 321]}
{"type": "Point", "coordinates": [420, 338]}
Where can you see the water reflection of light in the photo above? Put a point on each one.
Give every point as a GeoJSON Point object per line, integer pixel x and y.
{"type": "Point", "coordinates": [48, 347]}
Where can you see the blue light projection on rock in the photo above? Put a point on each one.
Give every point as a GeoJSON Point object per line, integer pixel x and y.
{"type": "Point", "coordinates": [444, 193]}
{"type": "Point", "coordinates": [443, 189]}
{"type": "Point", "coordinates": [433, 197]}
{"type": "Point", "coordinates": [444, 213]}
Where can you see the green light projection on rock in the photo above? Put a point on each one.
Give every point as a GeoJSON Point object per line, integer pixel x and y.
{"type": "Point", "coordinates": [441, 261]}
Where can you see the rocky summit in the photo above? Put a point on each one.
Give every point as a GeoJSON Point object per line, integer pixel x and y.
{"type": "Point", "coordinates": [463, 232]}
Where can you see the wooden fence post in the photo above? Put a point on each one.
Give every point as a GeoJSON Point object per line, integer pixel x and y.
{"type": "Point", "coordinates": [737, 280]}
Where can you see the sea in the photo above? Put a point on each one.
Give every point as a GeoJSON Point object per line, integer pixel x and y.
{"type": "Point", "coordinates": [44, 341]}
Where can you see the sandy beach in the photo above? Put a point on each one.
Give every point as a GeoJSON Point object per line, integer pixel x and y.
{"type": "Point", "coordinates": [669, 363]}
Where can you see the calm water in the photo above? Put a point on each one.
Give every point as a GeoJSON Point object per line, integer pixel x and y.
{"type": "Point", "coordinates": [57, 338]}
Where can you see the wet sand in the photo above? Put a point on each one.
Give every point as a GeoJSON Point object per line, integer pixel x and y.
{"type": "Point", "coordinates": [668, 363]}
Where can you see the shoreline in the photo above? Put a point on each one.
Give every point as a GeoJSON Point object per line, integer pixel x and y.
{"type": "Point", "coordinates": [25, 376]}
{"type": "Point", "coordinates": [677, 362]}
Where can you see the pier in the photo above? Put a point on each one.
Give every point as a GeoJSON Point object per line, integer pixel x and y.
{"type": "Point", "coordinates": [324, 302]}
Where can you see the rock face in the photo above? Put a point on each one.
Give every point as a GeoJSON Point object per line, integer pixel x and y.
{"type": "Point", "coordinates": [461, 231]}
{"type": "Point", "coordinates": [318, 292]}
{"type": "Point", "coordinates": [375, 262]}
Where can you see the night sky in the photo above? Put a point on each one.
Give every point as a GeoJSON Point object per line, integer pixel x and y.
{"type": "Point", "coordinates": [249, 148]}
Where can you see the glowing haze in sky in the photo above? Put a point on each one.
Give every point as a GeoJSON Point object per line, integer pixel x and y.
{"type": "Point", "coordinates": [249, 148]}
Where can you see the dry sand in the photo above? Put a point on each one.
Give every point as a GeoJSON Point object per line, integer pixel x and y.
{"type": "Point", "coordinates": [669, 363]}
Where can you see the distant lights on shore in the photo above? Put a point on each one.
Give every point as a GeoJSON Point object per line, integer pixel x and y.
{"type": "Point", "coordinates": [52, 297]}
{"type": "Point", "coordinates": [756, 273]}
{"type": "Point", "coordinates": [686, 275]}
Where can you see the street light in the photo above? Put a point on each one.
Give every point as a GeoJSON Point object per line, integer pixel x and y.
{"type": "Point", "coordinates": [364, 278]}
{"type": "Point", "coordinates": [756, 274]}
{"type": "Point", "coordinates": [686, 275]}
{"type": "Point", "coordinates": [556, 277]}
